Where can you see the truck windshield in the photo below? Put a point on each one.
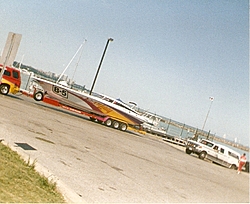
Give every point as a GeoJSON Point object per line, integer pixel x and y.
{"type": "Point", "coordinates": [209, 144]}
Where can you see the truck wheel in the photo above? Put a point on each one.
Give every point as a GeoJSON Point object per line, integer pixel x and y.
{"type": "Point", "coordinates": [108, 122]}
{"type": "Point", "coordinates": [123, 127]}
{"type": "Point", "coordinates": [233, 166]}
{"type": "Point", "coordinates": [38, 96]}
{"type": "Point", "coordinates": [188, 151]}
{"type": "Point", "coordinates": [115, 124]}
{"type": "Point", "coordinates": [4, 89]}
{"type": "Point", "coordinates": [202, 155]}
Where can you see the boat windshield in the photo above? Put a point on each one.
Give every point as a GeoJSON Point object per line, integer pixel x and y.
{"type": "Point", "coordinates": [118, 102]}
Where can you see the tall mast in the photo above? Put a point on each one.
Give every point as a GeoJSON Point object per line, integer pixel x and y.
{"type": "Point", "coordinates": [69, 64]}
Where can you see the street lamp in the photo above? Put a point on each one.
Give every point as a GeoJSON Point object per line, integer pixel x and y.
{"type": "Point", "coordinates": [211, 99]}
{"type": "Point", "coordinates": [93, 84]}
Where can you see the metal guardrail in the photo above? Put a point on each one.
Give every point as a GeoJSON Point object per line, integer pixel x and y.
{"type": "Point", "coordinates": [176, 141]}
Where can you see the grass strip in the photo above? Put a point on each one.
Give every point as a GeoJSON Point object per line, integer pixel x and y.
{"type": "Point", "coordinates": [20, 183]}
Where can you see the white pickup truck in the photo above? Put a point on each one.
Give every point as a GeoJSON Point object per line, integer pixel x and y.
{"type": "Point", "coordinates": [215, 152]}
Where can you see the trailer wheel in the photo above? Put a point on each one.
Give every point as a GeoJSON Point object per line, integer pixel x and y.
{"type": "Point", "coordinates": [38, 96]}
{"type": "Point", "coordinates": [108, 122]}
{"type": "Point", "coordinates": [4, 89]}
{"type": "Point", "coordinates": [123, 127]}
{"type": "Point", "coordinates": [115, 125]}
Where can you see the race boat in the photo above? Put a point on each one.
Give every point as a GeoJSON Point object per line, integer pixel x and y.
{"type": "Point", "coordinates": [110, 111]}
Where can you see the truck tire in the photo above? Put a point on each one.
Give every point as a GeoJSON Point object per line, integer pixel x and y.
{"type": "Point", "coordinates": [4, 89]}
{"type": "Point", "coordinates": [233, 166]}
{"type": "Point", "coordinates": [38, 96]}
{"type": "Point", "coordinates": [202, 155]}
{"type": "Point", "coordinates": [188, 151]}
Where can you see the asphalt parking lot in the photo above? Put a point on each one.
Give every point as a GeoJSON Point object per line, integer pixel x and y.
{"type": "Point", "coordinates": [94, 163]}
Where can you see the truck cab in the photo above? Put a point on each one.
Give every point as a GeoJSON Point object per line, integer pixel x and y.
{"type": "Point", "coordinates": [214, 152]}
{"type": "Point", "coordinates": [11, 80]}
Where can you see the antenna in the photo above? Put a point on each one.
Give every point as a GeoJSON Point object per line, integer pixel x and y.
{"type": "Point", "coordinates": [78, 61]}
{"type": "Point", "coordinates": [21, 62]}
{"type": "Point", "coordinates": [69, 64]}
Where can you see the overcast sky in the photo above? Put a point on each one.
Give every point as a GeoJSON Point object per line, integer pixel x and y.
{"type": "Point", "coordinates": [169, 56]}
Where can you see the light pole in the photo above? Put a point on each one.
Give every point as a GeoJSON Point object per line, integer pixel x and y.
{"type": "Point", "coordinates": [93, 84]}
{"type": "Point", "coordinates": [211, 99]}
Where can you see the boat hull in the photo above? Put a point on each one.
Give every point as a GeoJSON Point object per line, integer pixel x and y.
{"type": "Point", "coordinates": [88, 103]}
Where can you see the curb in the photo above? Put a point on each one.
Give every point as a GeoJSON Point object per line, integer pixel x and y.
{"type": "Point", "coordinates": [69, 195]}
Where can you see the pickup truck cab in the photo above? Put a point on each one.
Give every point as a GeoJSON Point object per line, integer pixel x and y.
{"type": "Point", "coordinates": [214, 152]}
{"type": "Point", "coordinates": [11, 80]}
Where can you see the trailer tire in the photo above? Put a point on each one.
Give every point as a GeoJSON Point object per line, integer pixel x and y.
{"type": "Point", "coordinates": [123, 127]}
{"type": "Point", "coordinates": [108, 122]}
{"type": "Point", "coordinates": [38, 96]}
{"type": "Point", "coordinates": [115, 124]}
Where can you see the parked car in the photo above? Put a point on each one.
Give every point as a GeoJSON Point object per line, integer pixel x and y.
{"type": "Point", "coordinates": [215, 152]}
